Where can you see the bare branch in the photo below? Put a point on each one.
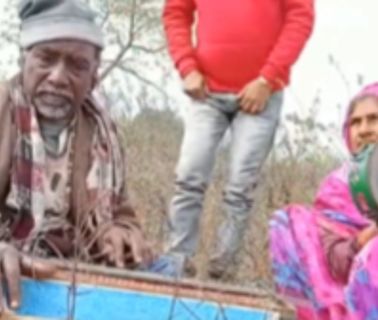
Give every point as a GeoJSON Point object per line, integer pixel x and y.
{"type": "Point", "coordinates": [127, 46]}
{"type": "Point", "coordinates": [146, 81]}
{"type": "Point", "coordinates": [107, 15]}
{"type": "Point", "coordinates": [149, 50]}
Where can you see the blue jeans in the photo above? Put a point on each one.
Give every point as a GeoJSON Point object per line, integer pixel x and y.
{"type": "Point", "coordinates": [251, 140]}
{"type": "Point", "coordinates": [168, 265]}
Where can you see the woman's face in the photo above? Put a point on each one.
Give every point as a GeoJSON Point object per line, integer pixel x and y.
{"type": "Point", "coordinates": [363, 124]}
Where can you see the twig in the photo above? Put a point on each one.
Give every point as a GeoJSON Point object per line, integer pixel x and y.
{"type": "Point", "coordinates": [126, 47]}
{"type": "Point", "coordinates": [146, 81]}
{"type": "Point", "coordinates": [149, 50]}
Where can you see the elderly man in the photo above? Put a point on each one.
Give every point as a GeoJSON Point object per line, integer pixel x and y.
{"type": "Point", "coordinates": [61, 165]}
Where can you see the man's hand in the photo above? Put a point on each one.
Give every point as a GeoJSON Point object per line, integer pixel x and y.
{"type": "Point", "coordinates": [13, 264]}
{"type": "Point", "coordinates": [118, 243]}
{"type": "Point", "coordinates": [195, 85]}
{"type": "Point", "coordinates": [254, 96]}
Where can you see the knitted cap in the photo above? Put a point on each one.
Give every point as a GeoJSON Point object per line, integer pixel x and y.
{"type": "Point", "coordinates": [47, 20]}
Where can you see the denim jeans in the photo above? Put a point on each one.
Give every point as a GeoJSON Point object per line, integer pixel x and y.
{"type": "Point", "coordinates": [168, 265]}
{"type": "Point", "coordinates": [251, 140]}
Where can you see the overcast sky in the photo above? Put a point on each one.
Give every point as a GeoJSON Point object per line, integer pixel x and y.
{"type": "Point", "coordinates": [346, 29]}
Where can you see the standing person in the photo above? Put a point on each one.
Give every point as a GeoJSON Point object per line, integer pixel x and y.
{"type": "Point", "coordinates": [234, 72]}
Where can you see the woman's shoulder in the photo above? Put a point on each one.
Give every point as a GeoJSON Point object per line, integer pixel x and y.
{"type": "Point", "coordinates": [340, 176]}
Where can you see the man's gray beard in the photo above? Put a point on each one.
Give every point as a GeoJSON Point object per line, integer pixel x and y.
{"type": "Point", "coordinates": [53, 108]}
{"type": "Point", "coordinates": [55, 113]}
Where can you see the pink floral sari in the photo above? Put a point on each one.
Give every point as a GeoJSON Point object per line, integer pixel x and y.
{"type": "Point", "coordinates": [299, 264]}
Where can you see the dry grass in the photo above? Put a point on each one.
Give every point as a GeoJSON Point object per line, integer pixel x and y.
{"type": "Point", "coordinates": [153, 142]}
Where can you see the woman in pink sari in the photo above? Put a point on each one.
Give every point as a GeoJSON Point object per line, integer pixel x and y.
{"type": "Point", "coordinates": [325, 257]}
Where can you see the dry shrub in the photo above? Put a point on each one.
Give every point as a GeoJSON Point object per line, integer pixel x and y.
{"type": "Point", "coordinates": [153, 141]}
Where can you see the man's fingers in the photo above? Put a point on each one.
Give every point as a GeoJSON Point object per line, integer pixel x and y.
{"type": "Point", "coordinates": [148, 255]}
{"type": "Point", "coordinates": [12, 274]}
{"type": "Point", "coordinates": [136, 248]}
{"type": "Point", "coordinates": [107, 251]}
{"type": "Point", "coordinates": [247, 105]}
{"type": "Point", "coordinates": [36, 268]}
{"type": "Point", "coordinates": [247, 102]}
{"type": "Point", "coordinates": [198, 93]}
{"type": "Point", "coordinates": [141, 250]}
{"type": "Point", "coordinates": [260, 106]}
{"type": "Point", "coordinates": [195, 94]}
{"type": "Point", "coordinates": [3, 303]}
{"type": "Point", "coordinates": [119, 250]}
{"type": "Point", "coordinates": [239, 96]}
{"type": "Point", "coordinates": [201, 95]}
{"type": "Point", "coordinates": [254, 108]}
{"type": "Point", "coordinates": [204, 92]}
{"type": "Point", "coordinates": [243, 102]}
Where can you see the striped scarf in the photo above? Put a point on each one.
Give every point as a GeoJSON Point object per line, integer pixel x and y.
{"type": "Point", "coordinates": [105, 178]}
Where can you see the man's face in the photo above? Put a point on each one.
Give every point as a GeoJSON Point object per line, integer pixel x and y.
{"type": "Point", "coordinates": [363, 124]}
{"type": "Point", "coordinates": [58, 75]}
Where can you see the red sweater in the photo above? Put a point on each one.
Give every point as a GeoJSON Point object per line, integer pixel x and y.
{"type": "Point", "coordinates": [238, 40]}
